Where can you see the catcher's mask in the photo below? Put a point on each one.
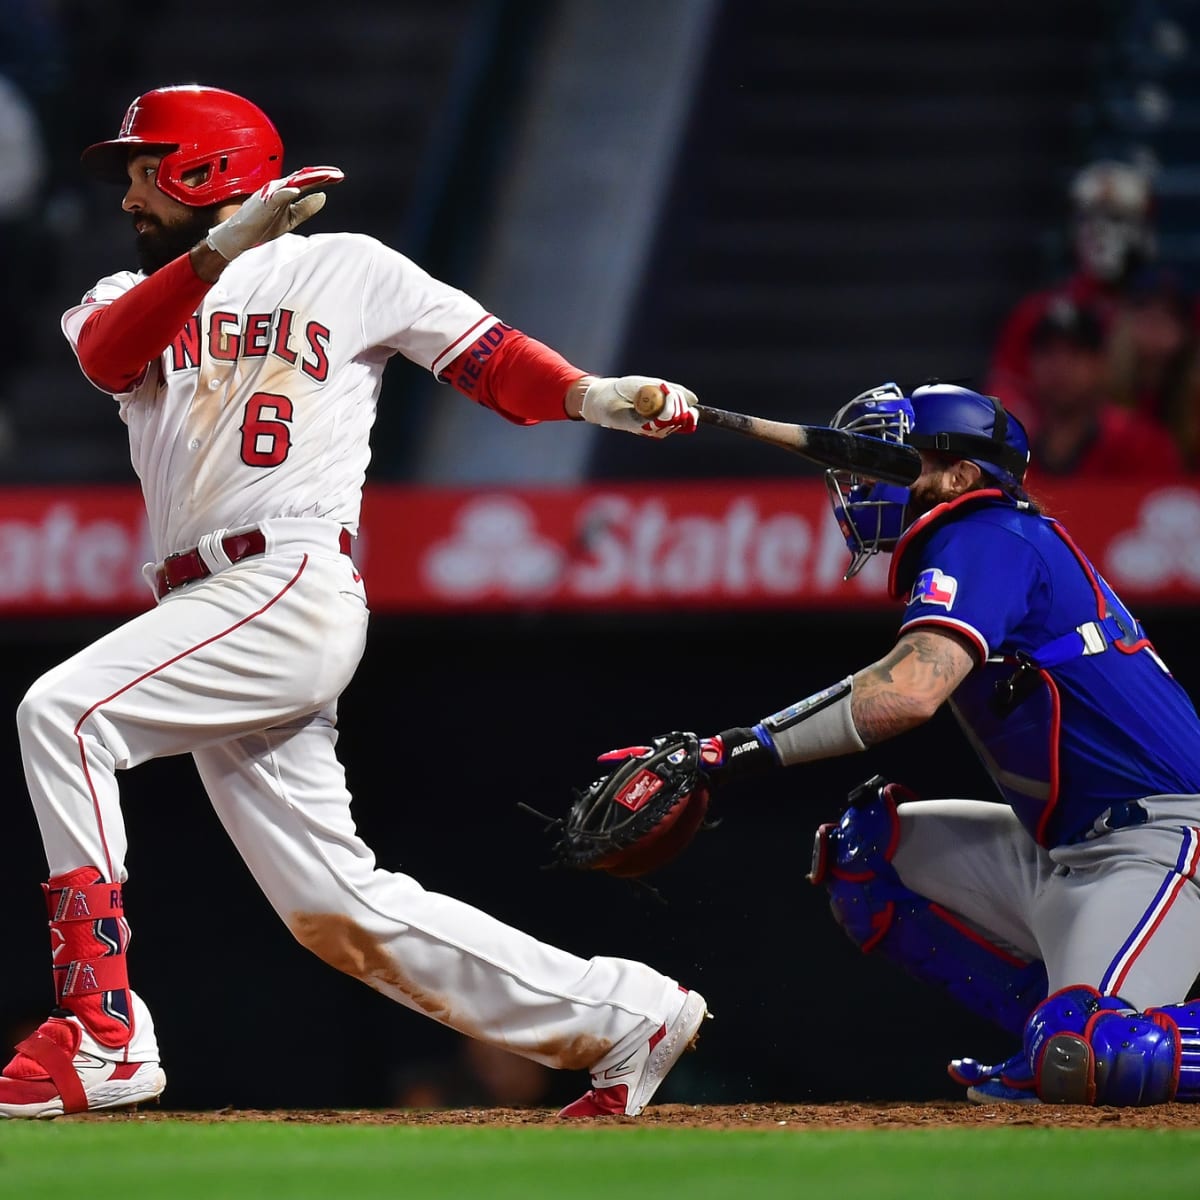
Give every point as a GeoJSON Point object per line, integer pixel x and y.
{"type": "Point", "coordinates": [940, 417]}
{"type": "Point", "coordinates": [871, 515]}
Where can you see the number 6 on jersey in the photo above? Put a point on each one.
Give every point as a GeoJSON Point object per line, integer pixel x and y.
{"type": "Point", "coordinates": [266, 434]}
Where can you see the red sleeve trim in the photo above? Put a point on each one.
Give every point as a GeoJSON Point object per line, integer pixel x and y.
{"type": "Point", "coordinates": [514, 375]}
{"type": "Point", "coordinates": [119, 340]}
{"type": "Point", "coordinates": [441, 364]}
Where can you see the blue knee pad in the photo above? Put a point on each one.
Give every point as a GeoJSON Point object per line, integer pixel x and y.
{"type": "Point", "coordinates": [1085, 1048]}
{"type": "Point", "coordinates": [853, 859]}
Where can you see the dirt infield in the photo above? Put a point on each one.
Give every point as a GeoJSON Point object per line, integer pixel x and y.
{"type": "Point", "coordinates": [732, 1116]}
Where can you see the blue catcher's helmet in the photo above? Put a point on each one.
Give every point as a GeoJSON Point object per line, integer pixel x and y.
{"type": "Point", "coordinates": [939, 417]}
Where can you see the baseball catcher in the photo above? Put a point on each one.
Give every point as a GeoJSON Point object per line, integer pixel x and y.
{"type": "Point", "coordinates": [1070, 914]}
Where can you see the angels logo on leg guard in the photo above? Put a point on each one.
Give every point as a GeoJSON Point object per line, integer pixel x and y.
{"type": "Point", "coordinates": [88, 939]}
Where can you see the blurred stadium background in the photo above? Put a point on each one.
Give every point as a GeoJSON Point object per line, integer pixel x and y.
{"type": "Point", "coordinates": [777, 203]}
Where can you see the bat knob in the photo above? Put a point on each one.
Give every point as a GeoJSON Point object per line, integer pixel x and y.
{"type": "Point", "coordinates": [649, 400]}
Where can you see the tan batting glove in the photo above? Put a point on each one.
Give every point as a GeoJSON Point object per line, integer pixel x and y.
{"type": "Point", "coordinates": [276, 208]}
{"type": "Point", "coordinates": [609, 402]}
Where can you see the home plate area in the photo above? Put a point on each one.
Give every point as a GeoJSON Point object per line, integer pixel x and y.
{"type": "Point", "coordinates": [728, 1116]}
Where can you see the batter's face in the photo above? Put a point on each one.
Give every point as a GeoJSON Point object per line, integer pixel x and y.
{"type": "Point", "coordinates": [165, 228]}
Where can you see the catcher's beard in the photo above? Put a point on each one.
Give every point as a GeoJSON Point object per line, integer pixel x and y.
{"type": "Point", "coordinates": [165, 241]}
{"type": "Point", "coordinates": [927, 494]}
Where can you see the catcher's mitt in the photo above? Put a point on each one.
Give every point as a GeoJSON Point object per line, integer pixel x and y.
{"type": "Point", "coordinates": [641, 816]}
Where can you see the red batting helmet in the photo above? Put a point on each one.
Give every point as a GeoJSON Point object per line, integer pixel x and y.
{"type": "Point", "coordinates": [197, 129]}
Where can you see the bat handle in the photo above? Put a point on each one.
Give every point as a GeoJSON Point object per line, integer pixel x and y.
{"type": "Point", "coordinates": [649, 400]}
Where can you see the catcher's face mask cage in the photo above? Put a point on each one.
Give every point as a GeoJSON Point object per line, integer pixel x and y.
{"type": "Point", "coordinates": [871, 515]}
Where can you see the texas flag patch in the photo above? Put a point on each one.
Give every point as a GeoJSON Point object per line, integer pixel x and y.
{"type": "Point", "coordinates": [934, 587]}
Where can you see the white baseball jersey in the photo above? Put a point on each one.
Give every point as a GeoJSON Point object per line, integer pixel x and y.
{"type": "Point", "coordinates": [262, 405]}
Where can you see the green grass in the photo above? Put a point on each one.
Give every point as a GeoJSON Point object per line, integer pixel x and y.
{"type": "Point", "coordinates": [232, 1161]}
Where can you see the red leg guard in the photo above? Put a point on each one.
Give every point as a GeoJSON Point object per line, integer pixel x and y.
{"type": "Point", "coordinates": [88, 940]}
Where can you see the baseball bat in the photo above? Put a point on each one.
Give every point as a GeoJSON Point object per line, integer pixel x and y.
{"type": "Point", "coordinates": [889, 462]}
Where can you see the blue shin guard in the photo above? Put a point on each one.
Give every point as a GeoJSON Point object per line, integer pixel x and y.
{"type": "Point", "coordinates": [1086, 1048]}
{"type": "Point", "coordinates": [853, 859]}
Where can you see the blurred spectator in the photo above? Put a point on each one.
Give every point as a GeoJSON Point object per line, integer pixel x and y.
{"type": "Point", "coordinates": [479, 1076]}
{"type": "Point", "coordinates": [1112, 238]}
{"type": "Point", "coordinates": [1155, 357]}
{"type": "Point", "coordinates": [32, 76]}
{"type": "Point", "coordinates": [1079, 431]}
{"type": "Point", "coordinates": [22, 170]}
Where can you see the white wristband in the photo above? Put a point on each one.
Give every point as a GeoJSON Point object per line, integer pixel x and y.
{"type": "Point", "coordinates": [822, 726]}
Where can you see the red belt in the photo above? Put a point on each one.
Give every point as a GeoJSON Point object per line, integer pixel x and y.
{"type": "Point", "coordinates": [187, 566]}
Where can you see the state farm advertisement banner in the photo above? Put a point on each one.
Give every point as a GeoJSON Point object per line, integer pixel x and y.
{"type": "Point", "coordinates": [721, 545]}
{"type": "Point", "coordinates": [713, 545]}
{"type": "Point", "coordinates": [72, 550]}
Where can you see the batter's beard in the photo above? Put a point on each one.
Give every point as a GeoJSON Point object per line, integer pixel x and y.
{"type": "Point", "coordinates": [162, 243]}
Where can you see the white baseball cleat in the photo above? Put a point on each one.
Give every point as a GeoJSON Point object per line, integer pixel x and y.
{"type": "Point", "coordinates": [625, 1088]}
{"type": "Point", "coordinates": [51, 1075]}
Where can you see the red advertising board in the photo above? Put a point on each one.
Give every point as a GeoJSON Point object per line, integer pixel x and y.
{"type": "Point", "coordinates": [721, 545]}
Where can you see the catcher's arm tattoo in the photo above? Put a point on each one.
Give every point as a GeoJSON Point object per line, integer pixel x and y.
{"type": "Point", "coordinates": [908, 685]}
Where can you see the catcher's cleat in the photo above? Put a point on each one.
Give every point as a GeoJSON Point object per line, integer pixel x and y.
{"type": "Point", "coordinates": [1009, 1082]}
{"type": "Point", "coordinates": [51, 1075]}
{"type": "Point", "coordinates": [624, 1088]}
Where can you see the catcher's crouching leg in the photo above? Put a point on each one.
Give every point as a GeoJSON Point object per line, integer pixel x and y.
{"type": "Point", "coordinates": [1086, 1048]}
{"type": "Point", "coordinates": [853, 859]}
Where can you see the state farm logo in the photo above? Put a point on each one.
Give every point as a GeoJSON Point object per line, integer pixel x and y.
{"type": "Point", "coordinates": [1164, 549]}
{"type": "Point", "coordinates": [638, 790]}
{"type": "Point", "coordinates": [622, 545]}
{"type": "Point", "coordinates": [495, 545]}
{"type": "Point", "coordinates": [67, 557]}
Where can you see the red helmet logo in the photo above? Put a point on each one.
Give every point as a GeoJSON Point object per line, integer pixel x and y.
{"type": "Point", "coordinates": [223, 144]}
{"type": "Point", "coordinates": [130, 117]}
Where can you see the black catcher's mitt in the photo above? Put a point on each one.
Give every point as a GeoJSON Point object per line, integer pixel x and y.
{"type": "Point", "coordinates": [641, 816]}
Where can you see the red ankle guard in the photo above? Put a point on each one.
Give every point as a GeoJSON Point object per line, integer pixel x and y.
{"type": "Point", "coordinates": [88, 940]}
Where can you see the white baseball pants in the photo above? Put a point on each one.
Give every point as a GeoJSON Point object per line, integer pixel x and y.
{"type": "Point", "coordinates": [243, 670]}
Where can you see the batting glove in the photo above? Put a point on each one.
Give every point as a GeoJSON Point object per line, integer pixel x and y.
{"type": "Point", "coordinates": [276, 208]}
{"type": "Point", "coordinates": [609, 402]}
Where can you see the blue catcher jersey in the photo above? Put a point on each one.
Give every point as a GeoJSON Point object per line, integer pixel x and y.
{"type": "Point", "coordinates": [1071, 710]}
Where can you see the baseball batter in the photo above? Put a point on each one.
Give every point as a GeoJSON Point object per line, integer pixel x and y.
{"type": "Point", "coordinates": [246, 361]}
{"type": "Point", "coordinates": [1070, 914]}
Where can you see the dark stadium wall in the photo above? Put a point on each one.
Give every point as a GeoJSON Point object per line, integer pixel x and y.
{"type": "Point", "coordinates": [447, 726]}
